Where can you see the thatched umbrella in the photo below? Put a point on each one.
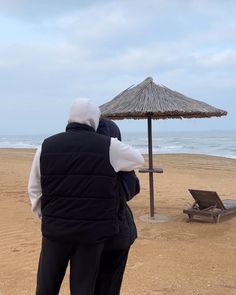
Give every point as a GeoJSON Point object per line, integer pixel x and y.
{"type": "Point", "coordinates": [152, 101]}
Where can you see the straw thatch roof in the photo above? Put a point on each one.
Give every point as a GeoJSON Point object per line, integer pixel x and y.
{"type": "Point", "coordinates": [159, 101]}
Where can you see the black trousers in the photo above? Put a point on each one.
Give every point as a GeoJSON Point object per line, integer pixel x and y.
{"type": "Point", "coordinates": [111, 271]}
{"type": "Point", "coordinates": [93, 270]}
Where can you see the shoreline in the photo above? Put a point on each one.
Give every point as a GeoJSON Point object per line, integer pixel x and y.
{"type": "Point", "coordinates": [219, 144]}
{"type": "Point", "coordinates": [31, 150]}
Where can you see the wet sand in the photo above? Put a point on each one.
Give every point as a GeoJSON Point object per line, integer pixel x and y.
{"type": "Point", "coordinates": [174, 257]}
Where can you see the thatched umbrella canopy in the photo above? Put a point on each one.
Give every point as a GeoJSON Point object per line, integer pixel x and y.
{"type": "Point", "coordinates": [152, 101]}
{"type": "Point", "coordinates": [163, 103]}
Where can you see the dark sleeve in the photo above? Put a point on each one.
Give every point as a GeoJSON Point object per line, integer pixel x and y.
{"type": "Point", "coordinates": [130, 183]}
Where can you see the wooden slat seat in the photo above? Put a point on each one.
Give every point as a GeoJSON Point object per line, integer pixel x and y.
{"type": "Point", "coordinates": [208, 203]}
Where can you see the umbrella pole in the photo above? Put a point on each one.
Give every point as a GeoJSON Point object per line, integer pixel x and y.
{"type": "Point", "coordinates": [150, 166]}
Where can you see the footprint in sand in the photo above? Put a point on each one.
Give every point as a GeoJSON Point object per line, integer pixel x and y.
{"type": "Point", "coordinates": [158, 292]}
{"type": "Point", "coordinates": [136, 265]}
{"type": "Point", "coordinates": [149, 233]}
{"type": "Point", "coordinates": [15, 250]}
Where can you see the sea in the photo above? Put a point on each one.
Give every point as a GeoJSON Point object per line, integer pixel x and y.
{"type": "Point", "coordinates": [215, 143]}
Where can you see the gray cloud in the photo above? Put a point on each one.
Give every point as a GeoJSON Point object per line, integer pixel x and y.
{"type": "Point", "coordinates": [49, 56]}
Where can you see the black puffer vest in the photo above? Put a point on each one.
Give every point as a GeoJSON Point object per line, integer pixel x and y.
{"type": "Point", "coordinates": [79, 186]}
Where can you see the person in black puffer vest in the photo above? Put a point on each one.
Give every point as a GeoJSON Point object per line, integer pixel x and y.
{"type": "Point", "coordinates": [73, 189]}
{"type": "Point", "coordinates": [115, 253]}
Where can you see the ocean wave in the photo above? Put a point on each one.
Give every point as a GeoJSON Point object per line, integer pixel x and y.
{"type": "Point", "coordinates": [221, 144]}
{"type": "Point", "coordinates": [17, 145]}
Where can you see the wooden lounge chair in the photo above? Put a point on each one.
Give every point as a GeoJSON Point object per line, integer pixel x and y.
{"type": "Point", "coordinates": [208, 203]}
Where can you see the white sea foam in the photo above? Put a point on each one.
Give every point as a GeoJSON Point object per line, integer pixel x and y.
{"type": "Point", "coordinates": [221, 143]}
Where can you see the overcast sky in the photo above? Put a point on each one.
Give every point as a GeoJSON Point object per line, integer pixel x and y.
{"type": "Point", "coordinates": [54, 51]}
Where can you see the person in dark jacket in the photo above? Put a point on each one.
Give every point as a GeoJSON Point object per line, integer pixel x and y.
{"type": "Point", "coordinates": [73, 189]}
{"type": "Point", "coordinates": [115, 253]}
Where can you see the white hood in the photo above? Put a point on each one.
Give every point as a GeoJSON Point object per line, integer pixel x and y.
{"type": "Point", "coordinates": [85, 112]}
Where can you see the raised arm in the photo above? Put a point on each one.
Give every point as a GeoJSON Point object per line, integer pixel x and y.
{"type": "Point", "coordinates": [34, 185]}
{"type": "Point", "coordinates": [123, 157]}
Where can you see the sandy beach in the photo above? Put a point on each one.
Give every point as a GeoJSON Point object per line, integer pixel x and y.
{"type": "Point", "coordinates": [174, 257]}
